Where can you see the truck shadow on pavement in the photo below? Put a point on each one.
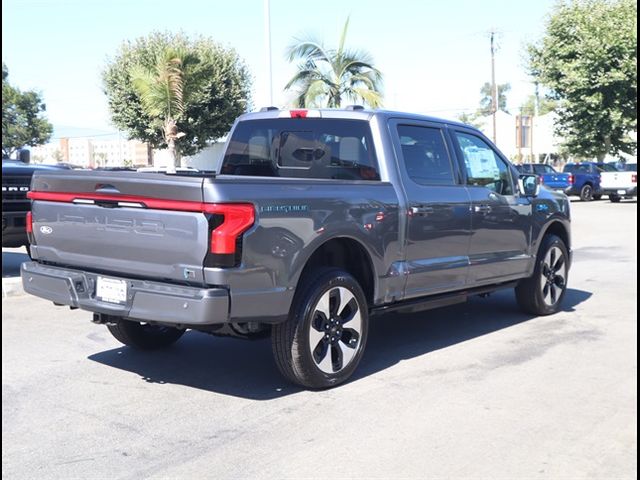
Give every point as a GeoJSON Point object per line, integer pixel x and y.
{"type": "Point", "coordinates": [246, 368]}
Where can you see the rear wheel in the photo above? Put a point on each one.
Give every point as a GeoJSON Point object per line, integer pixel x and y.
{"type": "Point", "coordinates": [597, 197]}
{"type": "Point", "coordinates": [322, 341]}
{"type": "Point", "coordinates": [586, 193]}
{"type": "Point", "coordinates": [144, 336]}
{"type": "Point", "coordinates": [542, 293]}
{"type": "Point", "coordinates": [614, 198]}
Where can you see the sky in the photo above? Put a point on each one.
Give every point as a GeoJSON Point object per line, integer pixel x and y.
{"type": "Point", "coordinates": [434, 55]}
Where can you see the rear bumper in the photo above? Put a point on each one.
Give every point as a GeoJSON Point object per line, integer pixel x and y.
{"type": "Point", "coordinates": [146, 301]}
{"type": "Point", "coordinates": [622, 192]}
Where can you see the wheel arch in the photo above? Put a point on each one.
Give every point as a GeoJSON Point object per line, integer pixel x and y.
{"type": "Point", "coordinates": [347, 253]}
{"type": "Point", "coordinates": [556, 227]}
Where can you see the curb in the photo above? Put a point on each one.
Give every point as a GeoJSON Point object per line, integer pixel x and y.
{"type": "Point", "coordinates": [12, 287]}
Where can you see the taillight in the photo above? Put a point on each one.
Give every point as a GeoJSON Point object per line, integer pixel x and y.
{"type": "Point", "coordinates": [29, 223]}
{"type": "Point", "coordinates": [571, 179]}
{"type": "Point", "coordinates": [634, 178]}
{"type": "Point", "coordinates": [227, 223]}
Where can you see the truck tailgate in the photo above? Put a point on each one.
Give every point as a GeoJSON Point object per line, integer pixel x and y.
{"type": "Point", "coordinates": [129, 223]}
{"type": "Point", "coordinates": [556, 181]}
{"type": "Point", "coordinates": [612, 180]}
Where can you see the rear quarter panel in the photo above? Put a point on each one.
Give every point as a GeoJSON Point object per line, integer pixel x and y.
{"type": "Point", "coordinates": [293, 218]}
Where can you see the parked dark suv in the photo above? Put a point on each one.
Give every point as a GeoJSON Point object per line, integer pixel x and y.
{"type": "Point", "coordinates": [16, 178]}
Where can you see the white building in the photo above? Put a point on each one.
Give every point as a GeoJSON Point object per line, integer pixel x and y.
{"type": "Point", "coordinates": [523, 137]}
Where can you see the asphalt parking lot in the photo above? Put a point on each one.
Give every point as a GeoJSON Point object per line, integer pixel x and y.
{"type": "Point", "coordinates": [472, 391]}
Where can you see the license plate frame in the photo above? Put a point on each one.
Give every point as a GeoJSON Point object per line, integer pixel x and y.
{"type": "Point", "coordinates": [622, 192]}
{"type": "Point", "coordinates": [111, 290]}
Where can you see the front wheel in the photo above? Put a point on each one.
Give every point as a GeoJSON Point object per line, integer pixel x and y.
{"type": "Point", "coordinates": [586, 193]}
{"type": "Point", "coordinates": [144, 336]}
{"type": "Point", "coordinates": [542, 293]}
{"type": "Point", "coordinates": [323, 339]}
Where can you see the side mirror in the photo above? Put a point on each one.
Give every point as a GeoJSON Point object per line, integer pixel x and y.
{"type": "Point", "coordinates": [529, 185]}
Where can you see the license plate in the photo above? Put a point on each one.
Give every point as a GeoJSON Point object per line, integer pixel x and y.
{"type": "Point", "coordinates": [622, 192]}
{"type": "Point", "coordinates": [111, 290]}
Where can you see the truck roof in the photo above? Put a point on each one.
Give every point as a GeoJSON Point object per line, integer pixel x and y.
{"type": "Point", "coordinates": [354, 114]}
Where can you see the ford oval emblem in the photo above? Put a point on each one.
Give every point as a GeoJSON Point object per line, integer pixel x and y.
{"type": "Point", "coordinates": [46, 230]}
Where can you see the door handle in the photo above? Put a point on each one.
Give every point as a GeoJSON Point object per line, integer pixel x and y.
{"type": "Point", "coordinates": [421, 210]}
{"type": "Point", "coordinates": [483, 209]}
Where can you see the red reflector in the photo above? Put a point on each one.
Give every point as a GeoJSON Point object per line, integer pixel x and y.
{"type": "Point", "coordinates": [298, 113]}
{"type": "Point", "coordinates": [571, 179]}
{"type": "Point", "coordinates": [29, 222]}
{"type": "Point", "coordinates": [238, 218]}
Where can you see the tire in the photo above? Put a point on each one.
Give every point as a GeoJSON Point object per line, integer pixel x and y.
{"type": "Point", "coordinates": [614, 198]}
{"type": "Point", "coordinates": [328, 300]}
{"type": "Point", "coordinates": [586, 193]}
{"type": "Point", "coordinates": [543, 292]}
{"type": "Point", "coordinates": [597, 197]}
{"type": "Point", "coordinates": [144, 336]}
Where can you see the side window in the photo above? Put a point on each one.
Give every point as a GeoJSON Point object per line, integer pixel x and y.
{"type": "Point", "coordinates": [425, 154]}
{"type": "Point", "coordinates": [483, 166]}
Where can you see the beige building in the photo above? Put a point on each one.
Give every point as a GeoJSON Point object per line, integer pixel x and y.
{"type": "Point", "coordinates": [93, 152]}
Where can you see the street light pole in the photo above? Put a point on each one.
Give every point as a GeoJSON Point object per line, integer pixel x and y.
{"type": "Point", "coordinates": [494, 87]}
{"type": "Point", "coordinates": [267, 41]}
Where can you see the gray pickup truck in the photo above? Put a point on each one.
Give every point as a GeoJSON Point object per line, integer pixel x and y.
{"type": "Point", "coordinates": [315, 221]}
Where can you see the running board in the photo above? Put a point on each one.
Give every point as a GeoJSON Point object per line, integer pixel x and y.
{"type": "Point", "coordinates": [437, 301]}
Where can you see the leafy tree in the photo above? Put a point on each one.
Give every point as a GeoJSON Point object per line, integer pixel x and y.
{"type": "Point", "coordinates": [216, 79]}
{"type": "Point", "coordinates": [545, 106]}
{"type": "Point", "coordinates": [587, 58]}
{"type": "Point", "coordinates": [23, 122]}
{"type": "Point", "coordinates": [486, 101]}
{"type": "Point", "coordinates": [326, 77]}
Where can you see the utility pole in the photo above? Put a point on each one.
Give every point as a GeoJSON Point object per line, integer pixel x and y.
{"type": "Point", "coordinates": [267, 42]}
{"type": "Point", "coordinates": [494, 87]}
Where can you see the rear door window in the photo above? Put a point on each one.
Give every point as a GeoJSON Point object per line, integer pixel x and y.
{"type": "Point", "coordinates": [425, 154]}
{"type": "Point", "coordinates": [302, 148]}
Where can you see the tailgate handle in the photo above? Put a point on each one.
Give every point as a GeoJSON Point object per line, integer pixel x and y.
{"type": "Point", "coordinates": [106, 188]}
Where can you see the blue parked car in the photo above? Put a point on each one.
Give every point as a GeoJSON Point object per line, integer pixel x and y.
{"type": "Point", "coordinates": [548, 175]}
{"type": "Point", "coordinates": [585, 179]}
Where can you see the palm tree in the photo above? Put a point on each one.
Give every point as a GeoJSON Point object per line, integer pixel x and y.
{"type": "Point", "coordinates": [326, 77]}
{"type": "Point", "coordinates": [162, 93]}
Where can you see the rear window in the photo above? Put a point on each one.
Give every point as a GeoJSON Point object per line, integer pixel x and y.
{"type": "Point", "coordinates": [302, 148]}
{"type": "Point", "coordinates": [576, 168]}
{"type": "Point", "coordinates": [606, 167]}
{"type": "Point", "coordinates": [631, 167]}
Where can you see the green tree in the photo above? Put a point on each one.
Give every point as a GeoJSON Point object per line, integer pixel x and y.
{"type": "Point", "coordinates": [486, 101]}
{"type": "Point", "coordinates": [215, 81]}
{"type": "Point", "coordinates": [545, 106]}
{"type": "Point", "coordinates": [23, 121]}
{"type": "Point", "coordinates": [326, 77]}
{"type": "Point", "coordinates": [587, 58]}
